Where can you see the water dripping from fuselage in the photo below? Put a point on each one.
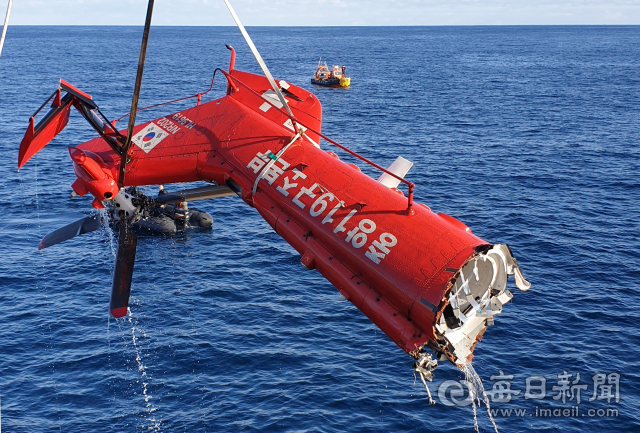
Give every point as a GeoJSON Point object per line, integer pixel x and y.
{"type": "Point", "coordinates": [477, 394]}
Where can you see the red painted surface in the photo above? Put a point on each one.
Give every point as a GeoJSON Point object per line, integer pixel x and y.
{"type": "Point", "coordinates": [32, 144]}
{"type": "Point", "coordinates": [390, 263]}
{"type": "Point", "coordinates": [75, 89]}
{"type": "Point", "coordinates": [93, 175]}
{"type": "Point", "coordinates": [119, 312]}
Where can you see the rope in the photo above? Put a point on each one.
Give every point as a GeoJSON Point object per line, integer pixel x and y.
{"type": "Point", "coordinates": [267, 167]}
{"type": "Point", "coordinates": [175, 100]}
{"type": "Point", "coordinates": [258, 57]}
{"type": "Point", "coordinates": [6, 24]}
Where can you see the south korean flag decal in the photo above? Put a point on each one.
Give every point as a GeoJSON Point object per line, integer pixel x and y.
{"type": "Point", "coordinates": [149, 137]}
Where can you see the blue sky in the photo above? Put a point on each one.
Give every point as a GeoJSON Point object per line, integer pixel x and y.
{"type": "Point", "coordinates": [327, 12]}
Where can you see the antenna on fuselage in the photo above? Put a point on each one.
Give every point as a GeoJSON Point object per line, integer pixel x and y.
{"type": "Point", "coordinates": [258, 57]}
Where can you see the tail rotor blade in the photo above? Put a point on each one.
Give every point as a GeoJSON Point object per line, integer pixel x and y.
{"type": "Point", "coordinates": [85, 225]}
{"type": "Point", "coordinates": [127, 243]}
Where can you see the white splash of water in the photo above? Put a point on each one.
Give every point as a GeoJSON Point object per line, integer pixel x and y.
{"type": "Point", "coordinates": [476, 389]}
{"type": "Point", "coordinates": [106, 228]}
{"type": "Point", "coordinates": [144, 379]}
{"type": "Point", "coordinates": [155, 425]}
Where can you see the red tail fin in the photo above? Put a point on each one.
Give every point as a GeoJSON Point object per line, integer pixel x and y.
{"type": "Point", "coordinates": [37, 138]}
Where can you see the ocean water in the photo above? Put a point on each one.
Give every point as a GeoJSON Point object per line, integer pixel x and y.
{"type": "Point", "coordinates": [529, 135]}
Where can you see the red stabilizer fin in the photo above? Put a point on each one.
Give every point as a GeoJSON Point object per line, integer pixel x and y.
{"type": "Point", "coordinates": [26, 142]}
{"type": "Point", "coordinates": [79, 188]}
{"type": "Point", "coordinates": [97, 204]}
{"type": "Point", "coordinates": [73, 89]}
{"type": "Point", "coordinates": [57, 102]}
{"type": "Point", "coordinates": [34, 141]}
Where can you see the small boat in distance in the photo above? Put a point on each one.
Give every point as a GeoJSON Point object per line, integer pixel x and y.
{"type": "Point", "coordinates": [331, 78]}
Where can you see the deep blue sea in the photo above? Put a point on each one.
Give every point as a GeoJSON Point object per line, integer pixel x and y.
{"type": "Point", "coordinates": [529, 135]}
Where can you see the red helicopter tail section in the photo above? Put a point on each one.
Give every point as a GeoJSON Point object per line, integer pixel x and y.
{"type": "Point", "coordinates": [40, 134]}
{"type": "Point", "coordinates": [306, 108]}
